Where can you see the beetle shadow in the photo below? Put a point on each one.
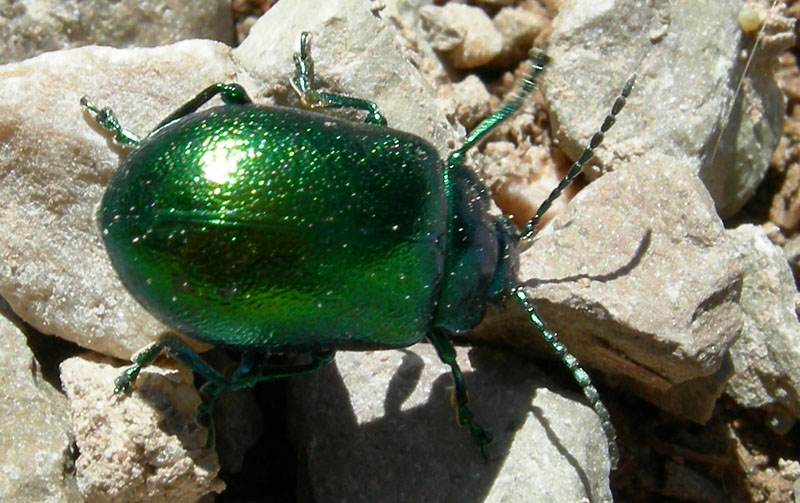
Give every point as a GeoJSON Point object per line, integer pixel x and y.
{"type": "Point", "coordinates": [634, 261]}
{"type": "Point", "coordinates": [412, 449]}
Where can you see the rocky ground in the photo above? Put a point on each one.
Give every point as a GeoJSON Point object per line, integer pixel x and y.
{"type": "Point", "coordinates": [670, 269]}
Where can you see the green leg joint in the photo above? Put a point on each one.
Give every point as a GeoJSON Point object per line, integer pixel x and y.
{"type": "Point", "coordinates": [249, 372]}
{"type": "Point", "coordinates": [447, 353]}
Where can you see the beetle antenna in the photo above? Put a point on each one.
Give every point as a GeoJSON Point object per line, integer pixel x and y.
{"type": "Point", "coordinates": [580, 375]}
{"type": "Point", "coordinates": [509, 108]}
{"type": "Point", "coordinates": [577, 166]}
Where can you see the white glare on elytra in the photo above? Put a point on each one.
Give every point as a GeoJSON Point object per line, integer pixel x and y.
{"type": "Point", "coordinates": [219, 164]}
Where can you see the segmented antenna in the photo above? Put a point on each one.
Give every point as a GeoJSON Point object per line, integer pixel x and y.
{"type": "Point", "coordinates": [578, 373]}
{"type": "Point", "coordinates": [577, 166]}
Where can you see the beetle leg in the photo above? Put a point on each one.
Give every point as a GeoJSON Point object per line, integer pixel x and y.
{"type": "Point", "coordinates": [318, 359]}
{"type": "Point", "coordinates": [178, 350]}
{"type": "Point", "coordinates": [231, 94]}
{"type": "Point", "coordinates": [304, 80]}
{"type": "Point", "coordinates": [250, 372]}
{"type": "Point", "coordinates": [105, 117]}
{"type": "Point", "coordinates": [447, 353]}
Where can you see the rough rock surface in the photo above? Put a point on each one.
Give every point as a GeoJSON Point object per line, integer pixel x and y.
{"type": "Point", "coordinates": [688, 58]}
{"type": "Point", "coordinates": [640, 279]}
{"type": "Point", "coordinates": [30, 27]}
{"type": "Point", "coordinates": [142, 447]}
{"type": "Point", "coordinates": [682, 108]}
{"type": "Point", "coordinates": [766, 357]}
{"type": "Point", "coordinates": [638, 276]}
{"type": "Point", "coordinates": [464, 35]}
{"type": "Point", "coordinates": [35, 432]}
{"type": "Point", "coordinates": [376, 426]}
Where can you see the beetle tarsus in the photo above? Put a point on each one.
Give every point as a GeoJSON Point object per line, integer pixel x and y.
{"type": "Point", "coordinates": [303, 82]}
{"type": "Point", "coordinates": [124, 383]}
{"type": "Point", "coordinates": [105, 117]}
{"type": "Point", "coordinates": [447, 353]}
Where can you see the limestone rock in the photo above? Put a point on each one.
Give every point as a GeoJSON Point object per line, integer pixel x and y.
{"type": "Point", "coordinates": [35, 434]}
{"type": "Point", "coordinates": [30, 27]}
{"type": "Point", "coordinates": [144, 446]}
{"type": "Point", "coordinates": [376, 426]}
{"type": "Point", "coordinates": [641, 281]}
{"type": "Point", "coordinates": [688, 55]}
{"type": "Point", "coordinates": [766, 357]}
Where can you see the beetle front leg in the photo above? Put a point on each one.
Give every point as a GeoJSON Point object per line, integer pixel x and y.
{"type": "Point", "coordinates": [304, 79]}
{"type": "Point", "coordinates": [447, 353]}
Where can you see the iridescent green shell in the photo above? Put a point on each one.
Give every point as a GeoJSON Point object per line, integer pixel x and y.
{"type": "Point", "coordinates": [278, 228]}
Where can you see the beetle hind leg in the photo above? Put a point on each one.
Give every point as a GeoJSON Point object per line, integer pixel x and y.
{"type": "Point", "coordinates": [304, 80]}
{"type": "Point", "coordinates": [105, 117]}
{"type": "Point", "coordinates": [447, 353]}
{"type": "Point", "coordinates": [250, 371]}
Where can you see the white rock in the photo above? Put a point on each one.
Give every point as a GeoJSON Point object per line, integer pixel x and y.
{"type": "Point", "coordinates": [688, 59]}
{"type": "Point", "coordinates": [35, 433]}
{"type": "Point", "coordinates": [144, 446]}
{"type": "Point", "coordinates": [376, 426]}
{"type": "Point", "coordinates": [641, 281]}
{"type": "Point", "coordinates": [462, 34]}
{"type": "Point", "coordinates": [766, 357]}
{"type": "Point", "coordinates": [30, 27]}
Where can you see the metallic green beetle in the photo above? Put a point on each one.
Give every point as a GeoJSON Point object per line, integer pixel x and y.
{"type": "Point", "coordinates": [266, 229]}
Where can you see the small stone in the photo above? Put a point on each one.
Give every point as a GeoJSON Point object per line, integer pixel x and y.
{"type": "Point", "coordinates": [751, 15]}
{"type": "Point", "coordinates": [35, 433]}
{"type": "Point", "coordinates": [463, 35]}
{"type": "Point", "coordinates": [785, 208]}
{"type": "Point", "coordinates": [519, 27]}
{"type": "Point", "coordinates": [473, 101]}
{"type": "Point", "coordinates": [520, 194]}
{"type": "Point", "coordinates": [139, 447]}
